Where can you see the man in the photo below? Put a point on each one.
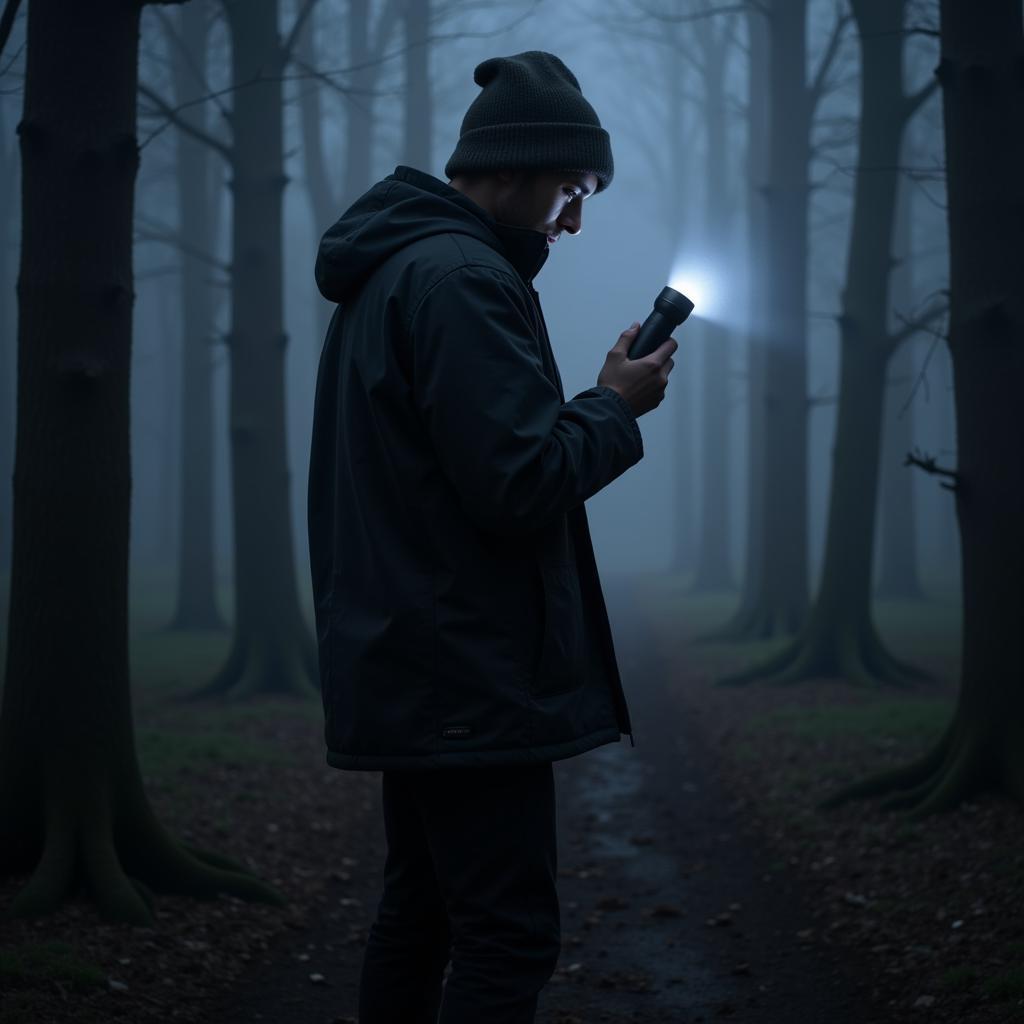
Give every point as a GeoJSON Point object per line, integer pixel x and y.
{"type": "Point", "coordinates": [464, 643]}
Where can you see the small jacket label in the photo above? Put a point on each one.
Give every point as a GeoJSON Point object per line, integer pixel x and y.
{"type": "Point", "coordinates": [456, 732]}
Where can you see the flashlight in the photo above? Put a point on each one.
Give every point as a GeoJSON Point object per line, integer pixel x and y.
{"type": "Point", "coordinates": [671, 308]}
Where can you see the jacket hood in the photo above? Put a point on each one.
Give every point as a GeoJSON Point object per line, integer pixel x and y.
{"type": "Point", "coordinates": [406, 207]}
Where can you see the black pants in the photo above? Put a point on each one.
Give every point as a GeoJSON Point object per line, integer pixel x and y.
{"type": "Point", "coordinates": [470, 875]}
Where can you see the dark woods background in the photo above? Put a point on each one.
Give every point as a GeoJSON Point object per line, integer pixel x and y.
{"type": "Point", "coordinates": [841, 183]}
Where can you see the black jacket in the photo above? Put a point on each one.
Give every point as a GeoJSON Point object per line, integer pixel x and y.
{"type": "Point", "coordinates": [459, 613]}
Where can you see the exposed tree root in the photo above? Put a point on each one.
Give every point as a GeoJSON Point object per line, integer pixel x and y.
{"type": "Point", "coordinates": [279, 664]}
{"type": "Point", "coordinates": [122, 864]}
{"type": "Point", "coordinates": [907, 777]}
{"type": "Point", "coordinates": [855, 655]}
{"type": "Point", "coordinates": [965, 761]}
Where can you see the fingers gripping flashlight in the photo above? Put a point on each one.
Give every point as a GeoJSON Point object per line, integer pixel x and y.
{"type": "Point", "coordinates": [671, 308]}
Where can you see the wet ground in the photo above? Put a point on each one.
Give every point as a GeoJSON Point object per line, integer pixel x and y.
{"type": "Point", "coordinates": [671, 908]}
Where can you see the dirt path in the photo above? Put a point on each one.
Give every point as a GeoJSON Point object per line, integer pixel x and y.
{"type": "Point", "coordinates": [671, 909]}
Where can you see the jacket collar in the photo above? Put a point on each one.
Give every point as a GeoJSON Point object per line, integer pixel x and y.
{"type": "Point", "coordinates": [526, 249]}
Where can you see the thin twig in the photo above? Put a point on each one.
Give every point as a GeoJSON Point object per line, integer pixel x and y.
{"type": "Point", "coordinates": [300, 19]}
{"type": "Point", "coordinates": [173, 115]}
{"type": "Point", "coordinates": [817, 85]}
{"type": "Point", "coordinates": [928, 464]}
{"type": "Point", "coordinates": [174, 35]}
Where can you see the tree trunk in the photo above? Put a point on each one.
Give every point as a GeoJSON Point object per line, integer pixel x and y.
{"type": "Point", "coordinates": [839, 638]}
{"type": "Point", "coordinates": [418, 105]}
{"type": "Point", "coordinates": [328, 197]}
{"type": "Point", "coordinates": [682, 394]}
{"type": "Point", "coordinates": [196, 603]}
{"type": "Point", "coordinates": [72, 807]}
{"type": "Point", "coordinates": [8, 330]}
{"type": "Point", "coordinates": [167, 458]}
{"type": "Point", "coordinates": [320, 189]}
{"type": "Point", "coordinates": [983, 107]}
{"type": "Point", "coordinates": [779, 604]}
{"type": "Point", "coordinates": [359, 128]}
{"type": "Point", "coordinates": [746, 623]}
{"type": "Point", "coordinates": [897, 563]}
{"type": "Point", "coordinates": [897, 574]}
{"type": "Point", "coordinates": [713, 569]}
{"type": "Point", "coordinates": [272, 651]}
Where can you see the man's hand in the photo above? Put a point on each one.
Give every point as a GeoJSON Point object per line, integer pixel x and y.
{"type": "Point", "coordinates": [641, 382]}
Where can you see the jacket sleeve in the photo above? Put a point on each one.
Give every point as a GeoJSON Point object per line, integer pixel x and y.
{"type": "Point", "coordinates": [515, 453]}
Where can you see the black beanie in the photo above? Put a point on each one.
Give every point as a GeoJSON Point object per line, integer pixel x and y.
{"type": "Point", "coordinates": [531, 115]}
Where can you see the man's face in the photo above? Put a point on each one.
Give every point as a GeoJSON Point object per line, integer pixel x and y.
{"type": "Point", "coordinates": [547, 201]}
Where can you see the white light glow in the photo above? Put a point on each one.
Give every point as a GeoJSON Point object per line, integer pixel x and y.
{"type": "Point", "coordinates": [697, 286]}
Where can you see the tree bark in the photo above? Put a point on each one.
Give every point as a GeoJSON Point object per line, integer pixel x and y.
{"type": "Point", "coordinates": [713, 562]}
{"type": "Point", "coordinates": [272, 649]}
{"type": "Point", "coordinates": [8, 342]}
{"type": "Point", "coordinates": [419, 108]}
{"type": "Point", "coordinates": [359, 129]}
{"type": "Point", "coordinates": [839, 638]}
{"type": "Point", "coordinates": [328, 197]}
{"type": "Point", "coordinates": [777, 586]}
{"type": "Point", "coordinates": [746, 622]}
{"type": "Point", "coordinates": [320, 189]}
{"type": "Point", "coordinates": [196, 606]}
{"type": "Point", "coordinates": [72, 807]}
{"type": "Point", "coordinates": [682, 393]}
{"type": "Point", "coordinates": [982, 54]}
{"type": "Point", "coordinates": [897, 575]}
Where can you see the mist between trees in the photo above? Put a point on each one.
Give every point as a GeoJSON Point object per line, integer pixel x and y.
{"type": "Point", "coordinates": [809, 459]}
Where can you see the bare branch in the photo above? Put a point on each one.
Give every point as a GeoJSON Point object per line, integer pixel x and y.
{"type": "Point", "coordinates": [300, 19]}
{"type": "Point", "coordinates": [817, 86]}
{"type": "Point", "coordinates": [928, 464]}
{"type": "Point", "coordinates": [678, 19]}
{"type": "Point", "coordinates": [913, 102]}
{"type": "Point", "coordinates": [325, 73]}
{"type": "Point", "coordinates": [173, 115]}
{"type": "Point", "coordinates": [918, 324]}
{"type": "Point", "coordinates": [174, 35]}
{"type": "Point", "coordinates": [153, 231]}
{"type": "Point", "coordinates": [7, 21]}
{"type": "Point", "coordinates": [922, 380]}
{"type": "Point", "coordinates": [7, 67]}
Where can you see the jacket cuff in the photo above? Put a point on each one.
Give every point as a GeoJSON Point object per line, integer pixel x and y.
{"type": "Point", "coordinates": [627, 412]}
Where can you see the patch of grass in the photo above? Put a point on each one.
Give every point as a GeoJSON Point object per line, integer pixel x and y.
{"type": "Point", "coordinates": [1008, 984]}
{"type": "Point", "coordinates": [959, 979]}
{"type": "Point", "coordinates": [165, 662]}
{"type": "Point", "coordinates": [36, 963]}
{"type": "Point", "coordinates": [163, 755]}
{"type": "Point", "coordinates": [920, 720]}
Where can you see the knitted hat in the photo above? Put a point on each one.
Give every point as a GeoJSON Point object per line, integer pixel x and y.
{"type": "Point", "coordinates": [531, 114]}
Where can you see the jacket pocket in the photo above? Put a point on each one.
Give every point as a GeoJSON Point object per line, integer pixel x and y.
{"type": "Point", "coordinates": [560, 666]}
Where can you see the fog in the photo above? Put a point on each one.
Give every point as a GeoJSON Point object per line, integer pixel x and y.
{"type": "Point", "coordinates": [651, 224]}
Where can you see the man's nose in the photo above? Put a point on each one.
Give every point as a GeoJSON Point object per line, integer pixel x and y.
{"type": "Point", "coordinates": [571, 218]}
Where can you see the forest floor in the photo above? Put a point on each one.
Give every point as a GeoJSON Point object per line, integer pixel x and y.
{"type": "Point", "coordinates": [698, 880]}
